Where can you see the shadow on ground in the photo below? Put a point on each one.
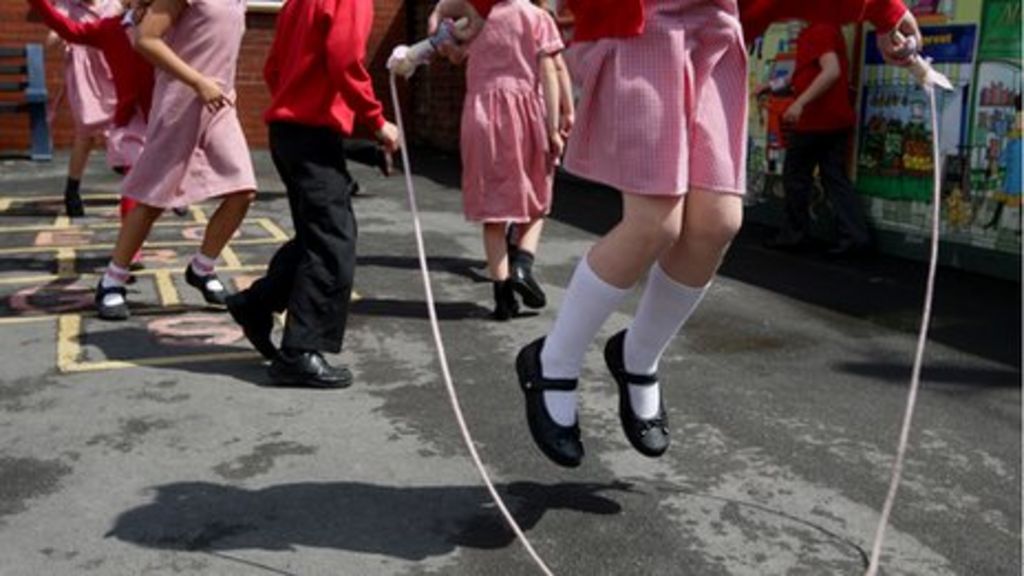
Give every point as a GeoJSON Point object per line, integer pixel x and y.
{"type": "Point", "coordinates": [412, 523]}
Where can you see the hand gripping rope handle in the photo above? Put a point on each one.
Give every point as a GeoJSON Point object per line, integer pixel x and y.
{"type": "Point", "coordinates": [929, 79]}
{"type": "Point", "coordinates": [441, 355]}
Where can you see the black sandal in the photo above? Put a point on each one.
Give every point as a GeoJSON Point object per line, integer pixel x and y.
{"type": "Point", "coordinates": [202, 283]}
{"type": "Point", "coordinates": [561, 444]}
{"type": "Point", "coordinates": [115, 312]}
{"type": "Point", "coordinates": [648, 436]}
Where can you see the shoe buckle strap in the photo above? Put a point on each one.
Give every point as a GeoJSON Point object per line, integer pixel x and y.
{"type": "Point", "coordinates": [564, 384]}
{"type": "Point", "coordinates": [640, 379]}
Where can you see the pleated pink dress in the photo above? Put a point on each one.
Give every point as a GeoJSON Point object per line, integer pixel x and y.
{"type": "Point", "coordinates": [665, 112]}
{"type": "Point", "coordinates": [88, 84]}
{"type": "Point", "coordinates": [192, 154]}
{"type": "Point", "coordinates": [507, 169]}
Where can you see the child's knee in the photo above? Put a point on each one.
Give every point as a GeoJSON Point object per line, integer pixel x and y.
{"type": "Point", "coordinates": [714, 231]}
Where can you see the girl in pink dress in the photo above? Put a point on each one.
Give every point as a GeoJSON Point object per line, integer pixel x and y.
{"type": "Point", "coordinates": [89, 89]}
{"type": "Point", "coordinates": [195, 148]}
{"type": "Point", "coordinates": [510, 142]}
{"type": "Point", "coordinates": [662, 118]}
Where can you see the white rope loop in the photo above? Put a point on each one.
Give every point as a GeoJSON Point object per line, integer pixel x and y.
{"type": "Point", "coordinates": [442, 356]}
{"type": "Point", "coordinates": [922, 338]}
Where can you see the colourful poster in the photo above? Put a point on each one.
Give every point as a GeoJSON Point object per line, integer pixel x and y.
{"type": "Point", "coordinates": [1000, 30]}
{"type": "Point", "coordinates": [894, 157]}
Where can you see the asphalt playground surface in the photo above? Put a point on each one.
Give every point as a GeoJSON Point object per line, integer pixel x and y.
{"type": "Point", "coordinates": [155, 446]}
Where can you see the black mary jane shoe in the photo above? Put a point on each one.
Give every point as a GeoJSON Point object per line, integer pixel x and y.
{"type": "Point", "coordinates": [257, 323]}
{"type": "Point", "coordinates": [648, 436]}
{"type": "Point", "coordinates": [202, 283]}
{"type": "Point", "coordinates": [505, 305]}
{"type": "Point", "coordinates": [115, 312]}
{"type": "Point", "coordinates": [308, 369]}
{"type": "Point", "coordinates": [561, 444]}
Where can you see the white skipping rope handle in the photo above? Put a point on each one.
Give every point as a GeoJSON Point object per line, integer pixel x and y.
{"type": "Point", "coordinates": [442, 356]}
{"type": "Point", "coordinates": [922, 338]}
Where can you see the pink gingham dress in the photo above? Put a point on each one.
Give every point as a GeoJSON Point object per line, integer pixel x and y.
{"type": "Point", "coordinates": [88, 85]}
{"type": "Point", "coordinates": [192, 154]}
{"type": "Point", "coordinates": [665, 112]}
{"type": "Point", "coordinates": [507, 169]}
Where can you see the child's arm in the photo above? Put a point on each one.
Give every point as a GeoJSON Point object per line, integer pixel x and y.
{"type": "Point", "coordinates": [160, 16]}
{"type": "Point", "coordinates": [549, 85]}
{"type": "Point", "coordinates": [346, 49]}
{"type": "Point", "coordinates": [71, 31]}
{"type": "Point", "coordinates": [566, 106]}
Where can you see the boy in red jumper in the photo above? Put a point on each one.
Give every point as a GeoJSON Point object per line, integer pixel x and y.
{"type": "Point", "coordinates": [319, 89]}
{"type": "Point", "coordinates": [678, 158]}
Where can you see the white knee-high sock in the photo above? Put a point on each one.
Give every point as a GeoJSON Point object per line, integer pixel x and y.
{"type": "Point", "coordinates": [664, 307]}
{"type": "Point", "coordinates": [589, 301]}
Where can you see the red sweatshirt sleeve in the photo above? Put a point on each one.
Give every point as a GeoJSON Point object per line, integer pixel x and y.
{"type": "Point", "coordinates": [757, 15]}
{"type": "Point", "coordinates": [483, 6]}
{"type": "Point", "coordinates": [87, 33]}
{"type": "Point", "coordinates": [349, 25]}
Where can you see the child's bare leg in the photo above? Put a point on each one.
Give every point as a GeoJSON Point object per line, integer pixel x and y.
{"type": "Point", "coordinates": [675, 286]}
{"type": "Point", "coordinates": [649, 225]}
{"type": "Point", "coordinates": [710, 223]}
{"type": "Point", "coordinates": [529, 235]}
{"type": "Point", "coordinates": [80, 150]}
{"type": "Point", "coordinates": [496, 247]}
{"type": "Point", "coordinates": [135, 228]}
{"type": "Point", "coordinates": [225, 222]}
{"type": "Point", "coordinates": [601, 280]}
{"type": "Point", "coordinates": [496, 250]}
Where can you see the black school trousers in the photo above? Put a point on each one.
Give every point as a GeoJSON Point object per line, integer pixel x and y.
{"type": "Point", "coordinates": [311, 275]}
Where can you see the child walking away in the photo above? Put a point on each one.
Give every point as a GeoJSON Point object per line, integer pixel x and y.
{"type": "Point", "coordinates": [195, 148]}
{"type": "Point", "coordinates": [90, 95]}
{"type": "Point", "coordinates": [510, 143]}
{"type": "Point", "coordinates": [319, 90]}
{"type": "Point", "coordinates": [132, 76]}
{"type": "Point", "coordinates": [662, 118]}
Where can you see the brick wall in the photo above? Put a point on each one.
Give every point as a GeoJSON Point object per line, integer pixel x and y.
{"type": "Point", "coordinates": [438, 94]}
{"type": "Point", "coordinates": [19, 27]}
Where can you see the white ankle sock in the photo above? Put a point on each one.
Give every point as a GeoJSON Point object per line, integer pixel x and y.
{"type": "Point", "coordinates": [664, 308]}
{"type": "Point", "coordinates": [204, 266]}
{"type": "Point", "coordinates": [588, 302]}
{"type": "Point", "coordinates": [114, 276]}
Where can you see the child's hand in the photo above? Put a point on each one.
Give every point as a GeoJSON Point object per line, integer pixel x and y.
{"type": "Point", "coordinates": [566, 120]}
{"type": "Point", "coordinates": [389, 137]}
{"type": "Point", "coordinates": [211, 94]}
{"type": "Point", "coordinates": [896, 45]}
{"type": "Point", "coordinates": [557, 145]}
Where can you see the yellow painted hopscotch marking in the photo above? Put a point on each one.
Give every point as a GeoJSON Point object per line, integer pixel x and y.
{"type": "Point", "coordinates": [69, 350]}
{"type": "Point", "coordinates": [165, 288]}
{"type": "Point", "coordinates": [26, 319]}
{"type": "Point", "coordinates": [230, 258]}
{"type": "Point", "coordinates": [69, 327]}
{"type": "Point", "coordinates": [66, 262]}
{"type": "Point", "coordinates": [198, 215]}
